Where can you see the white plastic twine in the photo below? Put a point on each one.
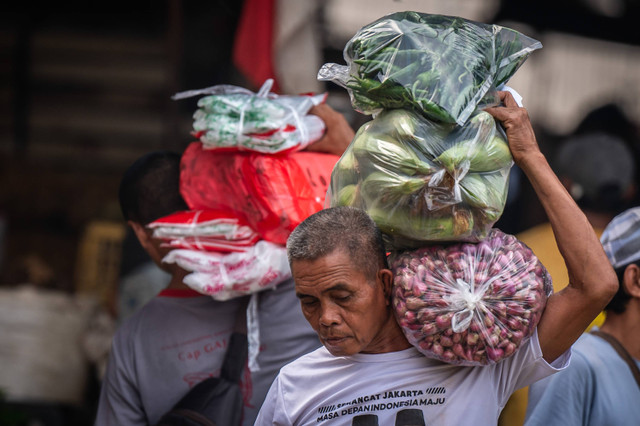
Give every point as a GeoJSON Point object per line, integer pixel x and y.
{"type": "Point", "coordinates": [262, 93]}
{"type": "Point", "coordinates": [466, 300]}
{"type": "Point", "coordinates": [221, 89]}
{"type": "Point", "coordinates": [253, 332]}
{"type": "Point", "coordinates": [516, 96]}
{"type": "Point", "coordinates": [266, 88]}
{"type": "Point", "coordinates": [193, 226]}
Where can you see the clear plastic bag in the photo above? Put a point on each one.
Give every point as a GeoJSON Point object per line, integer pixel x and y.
{"type": "Point", "coordinates": [235, 119]}
{"type": "Point", "coordinates": [423, 181]}
{"type": "Point", "coordinates": [224, 276]}
{"type": "Point", "coordinates": [271, 193]}
{"type": "Point", "coordinates": [207, 230]}
{"type": "Point", "coordinates": [470, 303]}
{"type": "Point", "coordinates": [441, 66]}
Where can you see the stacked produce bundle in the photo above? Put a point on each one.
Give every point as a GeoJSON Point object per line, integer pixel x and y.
{"type": "Point", "coordinates": [432, 169]}
{"type": "Point", "coordinates": [225, 257]}
{"type": "Point", "coordinates": [441, 66]}
{"type": "Point", "coordinates": [235, 119]}
{"type": "Point", "coordinates": [470, 303]}
{"type": "Point", "coordinates": [423, 181]}
{"type": "Point", "coordinates": [248, 182]}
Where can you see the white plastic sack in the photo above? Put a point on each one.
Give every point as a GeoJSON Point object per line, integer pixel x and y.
{"type": "Point", "coordinates": [224, 276]}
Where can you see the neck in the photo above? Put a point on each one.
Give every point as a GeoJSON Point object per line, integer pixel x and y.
{"type": "Point", "coordinates": [625, 328]}
{"type": "Point", "coordinates": [390, 339]}
{"type": "Point", "coordinates": [177, 279]}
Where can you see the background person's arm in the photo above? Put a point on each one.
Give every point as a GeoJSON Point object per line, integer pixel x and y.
{"type": "Point", "coordinates": [338, 135]}
{"type": "Point", "coordinates": [592, 281]}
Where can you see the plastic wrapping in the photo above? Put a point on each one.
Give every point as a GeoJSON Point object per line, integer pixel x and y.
{"type": "Point", "coordinates": [423, 181]}
{"type": "Point", "coordinates": [235, 119]}
{"type": "Point", "coordinates": [441, 66]}
{"type": "Point", "coordinates": [470, 304]}
{"type": "Point", "coordinates": [206, 230]}
{"type": "Point", "coordinates": [271, 193]}
{"type": "Point", "coordinates": [224, 276]}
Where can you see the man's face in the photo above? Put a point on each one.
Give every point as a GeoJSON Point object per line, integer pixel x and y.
{"type": "Point", "coordinates": [347, 309]}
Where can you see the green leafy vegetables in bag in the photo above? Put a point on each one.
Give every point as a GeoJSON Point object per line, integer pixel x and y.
{"type": "Point", "coordinates": [444, 67]}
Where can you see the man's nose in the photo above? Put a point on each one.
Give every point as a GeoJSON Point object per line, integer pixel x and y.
{"type": "Point", "coordinates": [330, 315]}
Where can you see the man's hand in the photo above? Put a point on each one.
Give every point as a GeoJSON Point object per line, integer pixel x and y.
{"type": "Point", "coordinates": [515, 120]}
{"type": "Point", "coordinates": [338, 135]}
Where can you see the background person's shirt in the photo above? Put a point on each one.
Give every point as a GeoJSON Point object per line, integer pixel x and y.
{"type": "Point", "coordinates": [597, 389]}
{"type": "Point", "coordinates": [179, 338]}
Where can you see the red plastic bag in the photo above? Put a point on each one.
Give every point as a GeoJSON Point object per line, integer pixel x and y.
{"type": "Point", "coordinates": [272, 193]}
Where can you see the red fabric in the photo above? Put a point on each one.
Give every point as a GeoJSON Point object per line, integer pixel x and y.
{"type": "Point", "coordinates": [273, 193]}
{"type": "Point", "coordinates": [194, 217]}
{"type": "Point", "coordinates": [253, 45]}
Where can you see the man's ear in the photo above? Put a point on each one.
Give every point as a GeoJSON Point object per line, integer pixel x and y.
{"type": "Point", "coordinates": [141, 233]}
{"type": "Point", "coordinates": [631, 281]}
{"type": "Point", "coordinates": [386, 278]}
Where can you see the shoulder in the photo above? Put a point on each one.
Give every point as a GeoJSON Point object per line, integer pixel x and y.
{"type": "Point", "coordinates": [319, 357]}
{"type": "Point", "coordinates": [161, 311]}
{"type": "Point", "coordinates": [589, 350]}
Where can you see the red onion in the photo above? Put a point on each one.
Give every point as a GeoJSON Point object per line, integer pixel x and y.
{"type": "Point", "coordinates": [470, 303]}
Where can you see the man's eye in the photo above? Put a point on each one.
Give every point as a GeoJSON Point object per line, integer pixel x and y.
{"type": "Point", "coordinates": [308, 302]}
{"type": "Point", "coordinates": [342, 297]}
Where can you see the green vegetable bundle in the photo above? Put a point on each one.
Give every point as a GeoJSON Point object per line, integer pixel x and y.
{"type": "Point", "coordinates": [423, 181]}
{"type": "Point", "coordinates": [441, 66]}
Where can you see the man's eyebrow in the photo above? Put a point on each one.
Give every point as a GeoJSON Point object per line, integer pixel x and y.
{"type": "Point", "coordinates": [339, 287]}
{"type": "Point", "coordinates": [301, 295]}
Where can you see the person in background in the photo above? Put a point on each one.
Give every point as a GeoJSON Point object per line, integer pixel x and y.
{"type": "Point", "coordinates": [140, 278]}
{"type": "Point", "coordinates": [367, 373]}
{"type": "Point", "coordinates": [179, 337]}
{"type": "Point", "coordinates": [598, 169]}
{"type": "Point", "coordinates": [599, 387]}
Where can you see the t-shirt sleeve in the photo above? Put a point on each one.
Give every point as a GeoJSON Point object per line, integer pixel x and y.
{"type": "Point", "coordinates": [562, 398]}
{"type": "Point", "coordinates": [525, 367]}
{"type": "Point", "coordinates": [273, 411]}
{"type": "Point", "coordinates": [119, 402]}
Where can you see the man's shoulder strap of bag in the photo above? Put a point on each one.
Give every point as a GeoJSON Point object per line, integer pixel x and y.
{"type": "Point", "coordinates": [621, 351]}
{"type": "Point", "coordinates": [236, 354]}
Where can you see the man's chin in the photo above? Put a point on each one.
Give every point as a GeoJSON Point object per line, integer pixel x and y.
{"type": "Point", "coordinates": [339, 347]}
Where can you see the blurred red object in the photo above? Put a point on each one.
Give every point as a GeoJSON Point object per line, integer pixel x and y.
{"type": "Point", "coordinates": [272, 193]}
{"type": "Point", "coordinates": [253, 45]}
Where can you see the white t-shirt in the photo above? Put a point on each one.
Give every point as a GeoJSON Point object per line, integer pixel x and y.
{"type": "Point", "coordinates": [399, 388]}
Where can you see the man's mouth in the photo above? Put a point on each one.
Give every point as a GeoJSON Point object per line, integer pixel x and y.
{"type": "Point", "coordinates": [334, 340]}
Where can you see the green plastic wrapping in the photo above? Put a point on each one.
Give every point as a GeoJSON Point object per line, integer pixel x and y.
{"type": "Point", "coordinates": [441, 66]}
{"type": "Point", "coordinates": [423, 181]}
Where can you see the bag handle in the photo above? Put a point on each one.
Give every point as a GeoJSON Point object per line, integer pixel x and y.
{"type": "Point", "coordinates": [237, 350]}
{"type": "Point", "coordinates": [621, 351]}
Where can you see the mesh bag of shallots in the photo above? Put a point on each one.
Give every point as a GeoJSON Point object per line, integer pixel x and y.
{"type": "Point", "coordinates": [470, 303]}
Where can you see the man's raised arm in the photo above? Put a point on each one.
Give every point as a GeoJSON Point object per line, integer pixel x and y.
{"type": "Point", "coordinates": [592, 281]}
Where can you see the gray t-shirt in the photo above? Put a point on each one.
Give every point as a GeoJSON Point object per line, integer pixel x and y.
{"type": "Point", "coordinates": [179, 338]}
